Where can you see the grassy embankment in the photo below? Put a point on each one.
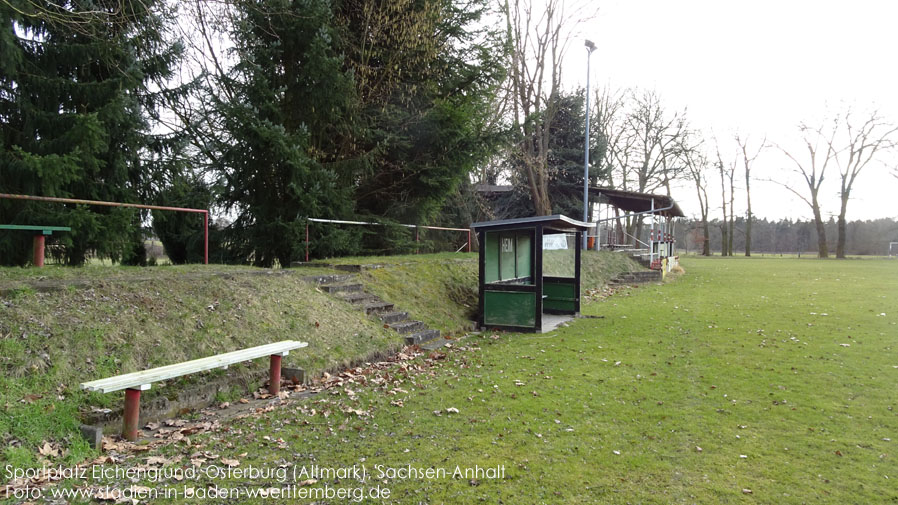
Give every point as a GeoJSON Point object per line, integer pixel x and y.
{"type": "Point", "coordinates": [747, 380]}
{"type": "Point", "coordinates": [441, 289]}
{"type": "Point", "coordinates": [116, 320]}
{"type": "Point", "coordinates": [99, 321]}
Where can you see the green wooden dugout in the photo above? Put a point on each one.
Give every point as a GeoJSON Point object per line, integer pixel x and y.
{"type": "Point", "coordinates": [528, 267]}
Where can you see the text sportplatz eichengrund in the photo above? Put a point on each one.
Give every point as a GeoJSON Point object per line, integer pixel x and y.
{"type": "Point", "coordinates": [307, 482]}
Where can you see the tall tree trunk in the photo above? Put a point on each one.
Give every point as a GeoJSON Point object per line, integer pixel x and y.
{"type": "Point", "coordinates": [748, 216]}
{"type": "Point", "coordinates": [637, 229]}
{"type": "Point", "coordinates": [619, 232]}
{"type": "Point", "coordinates": [732, 231]}
{"type": "Point", "coordinates": [840, 241]}
{"type": "Point", "coordinates": [545, 208]}
{"type": "Point", "coordinates": [538, 190]}
{"type": "Point", "coordinates": [822, 249]}
{"type": "Point", "coordinates": [723, 238]}
{"type": "Point", "coordinates": [723, 203]}
{"type": "Point", "coordinates": [706, 244]}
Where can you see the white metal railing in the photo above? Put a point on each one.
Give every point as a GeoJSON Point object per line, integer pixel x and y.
{"type": "Point", "coordinates": [636, 239]}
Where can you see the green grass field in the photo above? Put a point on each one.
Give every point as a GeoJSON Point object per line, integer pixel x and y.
{"type": "Point", "coordinates": [744, 381]}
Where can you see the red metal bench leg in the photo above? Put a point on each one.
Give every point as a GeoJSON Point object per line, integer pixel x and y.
{"type": "Point", "coordinates": [274, 382]}
{"type": "Point", "coordinates": [39, 250]}
{"type": "Point", "coordinates": [131, 417]}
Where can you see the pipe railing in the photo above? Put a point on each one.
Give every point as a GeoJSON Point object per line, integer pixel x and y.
{"type": "Point", "coordinates": [415, 226]}
{"type": "Point", "coordinates": [102, 203]}
{"type": "Point", "coordinates": [634, 238]}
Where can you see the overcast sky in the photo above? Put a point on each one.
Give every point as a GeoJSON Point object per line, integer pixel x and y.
{"type": "Point", "coordinates": [758, 67]}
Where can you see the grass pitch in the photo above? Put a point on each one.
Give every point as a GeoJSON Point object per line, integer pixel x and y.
{"type": "Point", "coordinates": [746, 380]}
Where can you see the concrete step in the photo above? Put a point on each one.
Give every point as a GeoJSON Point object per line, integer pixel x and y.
{"type": "Point", "coordinates": [353, 287]}
{"type": "Point", "coordinates": [328, 279]}
{"type": "Point", "coordinates": [394, 317]}
{"type": "Point", "coordinates": [378, 307]}
{"type": "Point", "coordinates": [357, 268]}
{"type": "Point", "coordinates": [638, 277]}
{"type": "Point", "coordinates": [354, 296]}
{"type": "Point", "coordinates": [407, 327]}
{"type": "Point", "coordinates": [357, 298]}
{"type": "Point", "coordinates": [434, 343]}
{"type": "Point", "coordinates": [641, 260]}
{"type": "Point", "coordinates": [421, 337]}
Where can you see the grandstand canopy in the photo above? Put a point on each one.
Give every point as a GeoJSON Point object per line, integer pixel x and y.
{"type": "Point", "coordinates": [631, 201]}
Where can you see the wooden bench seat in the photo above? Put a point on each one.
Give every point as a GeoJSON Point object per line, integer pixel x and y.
{"type": "Point", "coordinates": [134, 383]}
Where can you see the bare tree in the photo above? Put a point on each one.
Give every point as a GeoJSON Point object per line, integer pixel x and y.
{"type": "Point", "coordinates": [732, 224]}
{"type": "Point", "coordinates": [697, 165]}
{"type": "Point", "coordinates": [654, 141]}
{"type": "Point", "coordinates": [747, 162]}
{"type": "Point", "coordinates": [863, 144]}
{"type": "Point", "coordinates": [813, 172]}
{"type": "Point", "coordinates": [643, 143]}
{"type": "Point", "coordinates": [727, 171]}
{"type": "Point", "coordinates": [607, 123]}
{"type": "Point", "coordinates": [656, 136]}
{"type": "Point", "coordinates": [610, 125]}
{"type": "Point", "coordinates": [537, 42]}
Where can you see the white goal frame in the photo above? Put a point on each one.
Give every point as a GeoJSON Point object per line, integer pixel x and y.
{"type": "Point", "coordinates": [891, 246]}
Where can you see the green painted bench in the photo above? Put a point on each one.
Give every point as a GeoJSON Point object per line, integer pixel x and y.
{"type": "Point", "coordinates": [40, 235]}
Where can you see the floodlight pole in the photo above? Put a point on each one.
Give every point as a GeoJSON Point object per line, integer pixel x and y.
{"type": "Point", "coordinates": [590, 47]}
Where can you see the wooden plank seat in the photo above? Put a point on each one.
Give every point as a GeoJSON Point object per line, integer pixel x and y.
{"type": "Point", "coordinates": [135, 382]}
{"type": "Point", "coordinates": [39, 237]}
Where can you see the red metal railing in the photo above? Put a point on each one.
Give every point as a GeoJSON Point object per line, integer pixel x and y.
{"type": "Point", "coordinates": [204, 212]}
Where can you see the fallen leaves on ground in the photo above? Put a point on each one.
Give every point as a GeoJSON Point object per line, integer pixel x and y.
{"type": "Point", "coordinates": [385, 376]}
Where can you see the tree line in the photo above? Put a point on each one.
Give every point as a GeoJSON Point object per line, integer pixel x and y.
{"type": "Point", "coordinates": [641, 145]}
{"type": "Point", "coordinates": [791, 237]}
{"type": "Point", "coordinates": [270, 112]}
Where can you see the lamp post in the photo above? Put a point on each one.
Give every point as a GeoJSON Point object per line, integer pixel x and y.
{"type": "Point", "coordinates": [590, 47]}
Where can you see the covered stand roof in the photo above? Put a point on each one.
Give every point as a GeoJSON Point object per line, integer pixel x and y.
{"type": "Point", "coordinates": [631, 201]}
{"type": "Point", "coordinates": [556, 222]}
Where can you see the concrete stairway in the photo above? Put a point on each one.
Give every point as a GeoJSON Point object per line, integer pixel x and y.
{"type": "Point", "coordinates": [638, 277]}
{"type": "Point", "coordinates": [642, 260]}
{"type": "Point", "coordinates": [348, 288]}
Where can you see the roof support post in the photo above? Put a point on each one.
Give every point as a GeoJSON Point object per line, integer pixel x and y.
{"type": "Point", "coordinates": [538, 274]}
{"type": "Point", "coordinates": [481, 258]}
{"type": "Point", "coordinates": [651, 234]}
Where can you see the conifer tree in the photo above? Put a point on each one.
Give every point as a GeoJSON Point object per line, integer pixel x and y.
{"type": "Point", "coordinates": [74, 106]}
